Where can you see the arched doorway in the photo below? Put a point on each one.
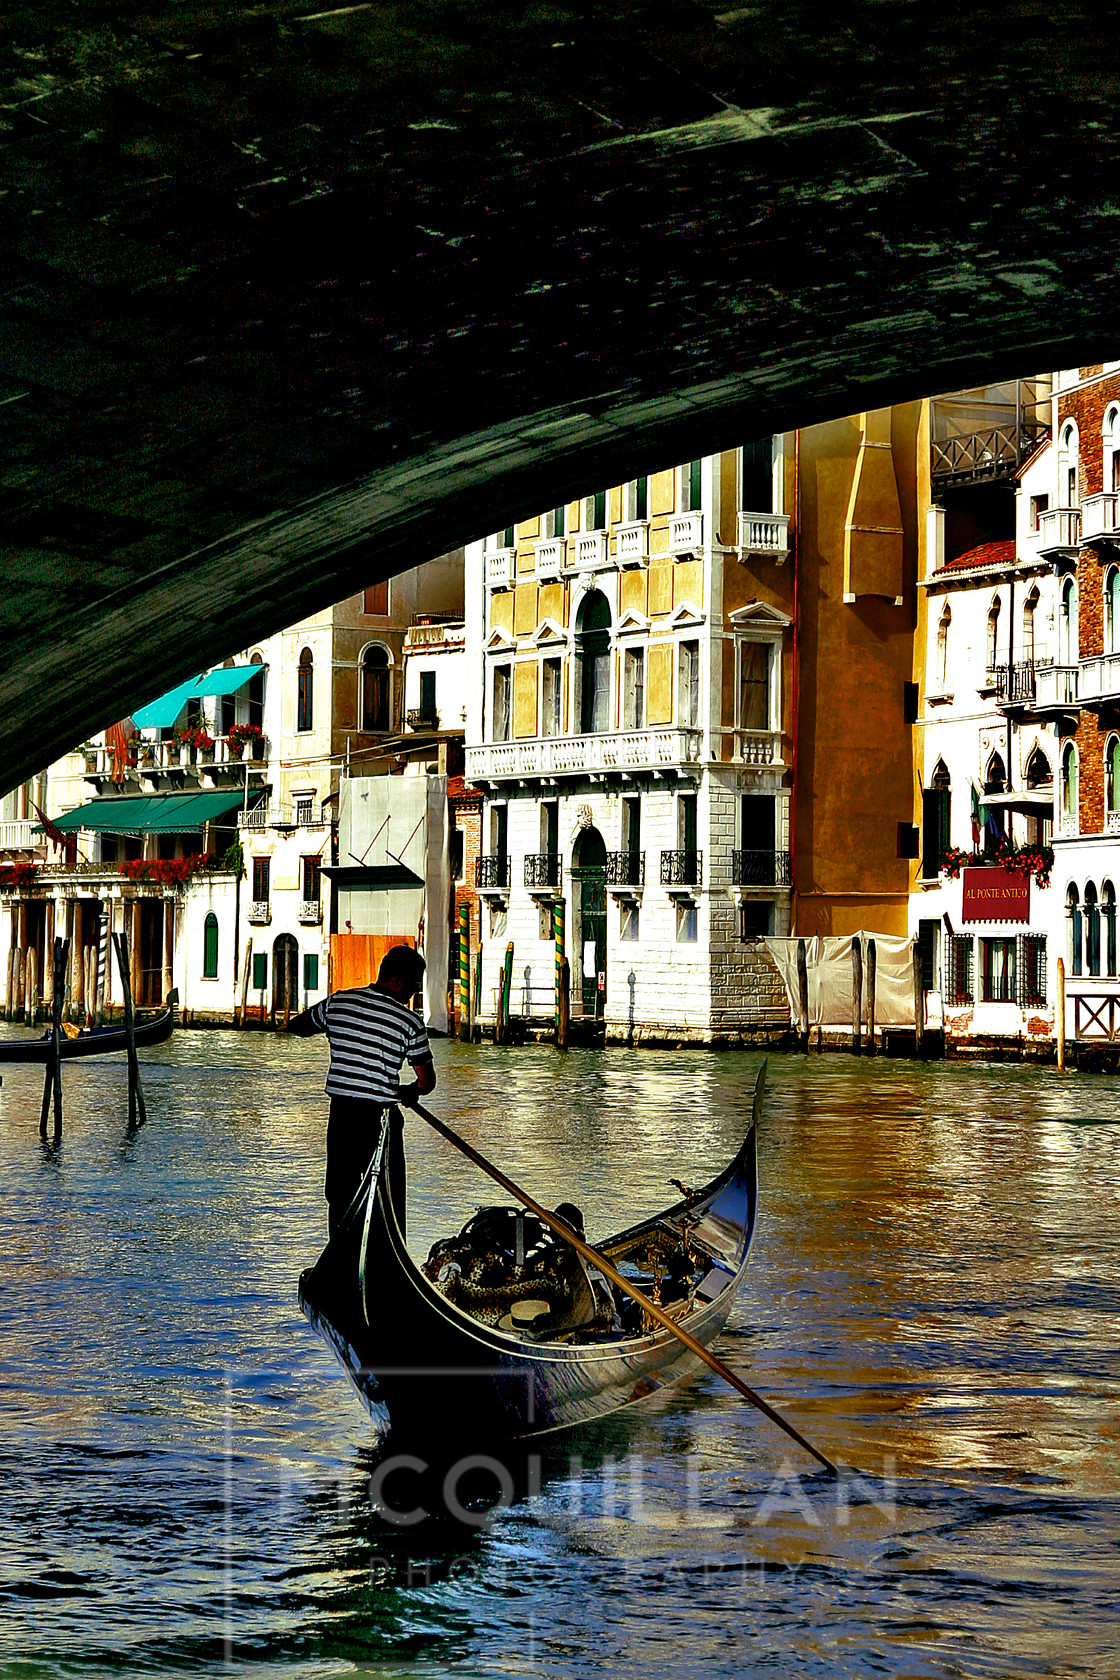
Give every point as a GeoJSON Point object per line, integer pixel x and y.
{"type": "Point", "coordinates": [589, 922]}
{"type": "Point", "coordinates": [285, 975]}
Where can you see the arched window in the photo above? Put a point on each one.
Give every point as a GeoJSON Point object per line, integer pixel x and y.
{"type": "Point", "coordinates": [1110, 477]}
{"type": "Point", "coordinates": [1112, 778]}
{"type": "Point", "coordinates": [254, 690]}
{"type": "Point", "coordinates": [1030, 606]}
{"type": "Point", "coordinates": [376, 698]}
{"type": "Point", "coordinates": [1067, 624]}
{"type": "Point", "coordinates": [935, 821]}
{"type": "Point", "coordinates": [1108, 916]}
{"type": "Point", "coordinates": [210, 947]}
{"type": "Point", "coordinates": [1073, 929]}
{"type": "Point", "coordinates": [943, 647]}
{"type": "Point", "coordinates": [995, 779]}
{"type": "Point", "coordinates": [1092, 930]}
{"type": "Point", "coordinates": [1068, 476]}
{"type": "Point", "coordinates": [993, 633]}
{"type": "Point", "coordinates": [1039, 773]}
{"type": "Point", "coordinates": [305, 691]}
{"type": "Point", "coordinates": [1069, 788]}
{"type": "Point", "coordinates": [1112, 610]}
{"type": "Point", "coordinates": [593, 663]}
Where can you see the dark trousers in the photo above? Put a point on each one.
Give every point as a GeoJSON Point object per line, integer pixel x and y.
{"type": "Point", "coordinates": [353, 1131]}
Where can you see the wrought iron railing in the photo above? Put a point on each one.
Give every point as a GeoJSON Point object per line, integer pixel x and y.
{"type": "Point", "coordinates": [542, 869]}
{"type": "Point", "coordinates": [422, 717]}
{"type": "Point", "coordinates": [310, 911]}
{"type": "Point", "coordinates": [751, 868]}
{"type": "Point", "coordinates": [626, 869]}
{"type": "Point", "coordinates": [492, 871]}
{"type": "Point", "coordinates": [682, 869]}
{"type": "Point", "coordinates": [260, 911]}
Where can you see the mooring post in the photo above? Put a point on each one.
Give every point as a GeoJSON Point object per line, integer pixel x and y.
{"type": "Point", "coordinates": [32, 985]}
{"type": "Point", "coordinates": [558, 930]}
{"type": "Point", "coordinates": [1060, 1016]}
{"type": "Point", "coordinates": [919, 1004]}
{"type": "Point", "coordinates": [247, 969]}
{"type": "Point", "coordinates": [507, 991]}
{"type": "Point", "coordinates": [10, 995]}
{"type": "Point", "coordinates": [564, 1008]}
{"type": "Point", "coordinates": [803, 997]}
{"type": "Point", "coordinates": [464, 973]}
{"type": "Point", "coordinates": [857, 998]}
{"type": "Point", "coordinates": [871, 964]}
{"type": "Point", "coordinates": [102, 964]}
{"type": "Point", "coordinates": [137, 1111]}
{"type": "Point", "coordinates": [476, 1006]}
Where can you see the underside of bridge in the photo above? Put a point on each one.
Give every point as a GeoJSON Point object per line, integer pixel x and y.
{"type": "Point", "coordinates": [296, 297]}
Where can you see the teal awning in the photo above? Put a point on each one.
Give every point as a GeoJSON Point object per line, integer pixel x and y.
{"type": "Point", "coordinates": [227, 679]}
{"type": "Point", "coordinates": [154, 813]}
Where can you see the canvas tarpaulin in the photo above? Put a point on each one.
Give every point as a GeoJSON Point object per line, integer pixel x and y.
{"type": "Point", "coordinates": [828, 963]}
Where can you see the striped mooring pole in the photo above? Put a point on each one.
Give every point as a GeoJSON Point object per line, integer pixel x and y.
{"type": "Point", "coordinates": [558, 937]}
{"type": "Point", "coordinates": [464, 971]}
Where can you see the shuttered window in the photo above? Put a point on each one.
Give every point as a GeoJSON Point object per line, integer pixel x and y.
{"type": "Point", "coordinates": [210, 948]}
{"type": "Point", "coordinates": [310, 971]}
{"type": "Point", "coordinates": [260, 971]}
{"type": "Point", "coordinates": [1032, 970]}
{"type": "Point", "coordinates": [960, 968]}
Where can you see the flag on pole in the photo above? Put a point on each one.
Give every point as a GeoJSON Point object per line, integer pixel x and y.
{"type": "Point", "coordinates": [979, 817]}
{"type": "Point", "coordinates": [52, 832]}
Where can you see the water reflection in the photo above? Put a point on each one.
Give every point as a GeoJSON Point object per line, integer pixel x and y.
{"type": "Point", "coordinates": [932, 1298]}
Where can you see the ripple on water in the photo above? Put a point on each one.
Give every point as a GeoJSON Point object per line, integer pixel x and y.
{"type": "Point", "coordinates": [932, 1298]}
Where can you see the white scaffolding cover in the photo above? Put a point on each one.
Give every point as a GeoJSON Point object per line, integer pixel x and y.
{"type": "Point", "coordinates": [829, 965]}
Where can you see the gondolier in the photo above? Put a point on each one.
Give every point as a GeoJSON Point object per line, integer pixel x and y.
{"type": "Point", "coordinates": [372, 1031]}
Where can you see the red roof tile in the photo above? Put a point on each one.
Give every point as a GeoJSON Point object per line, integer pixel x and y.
{"type": "Point", "coordinates": [988, 554]}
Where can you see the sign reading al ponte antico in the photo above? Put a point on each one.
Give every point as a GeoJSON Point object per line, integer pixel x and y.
{"type": "Point", "coordinates": [996, 895]}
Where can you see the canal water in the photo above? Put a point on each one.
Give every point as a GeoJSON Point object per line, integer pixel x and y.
{"type": "Point", "coordinates": [933, 1298]}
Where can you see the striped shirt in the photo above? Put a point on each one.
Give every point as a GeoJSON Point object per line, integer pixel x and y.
{"type": "Point", "coordinates": [370, 1035]}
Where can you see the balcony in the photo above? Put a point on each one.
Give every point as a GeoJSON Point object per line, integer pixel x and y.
{"type": "Point", "coordinates": [260, 912]}
{"type": "Point", "coordinates": [155, 758]}
{"type": "Point", "coordinates": [754, 868]}
{"type": "Point", "coordinates": [1055, 687]}
{"type": "Point", "coordinates": [993, 452]}
{"type": "Point", "coordinates": [492, 873]}
{"type": "Point", "coordinates": [591, 551]}
{"type": "Point", "coordinates": [686, 532]}
{"type": "Point", "coordinates": [758, 746]}
{"type": "Point", "coordinates": [421, 718]}
{"type": "Point", "coordinates": [542, 869]}
{"type": "Point", "coordinates": [1100, 519]}
{"type": "Point", "coordinates": [633, 543]}
{"type": "Point", "coordinates": [682, 869]}
{"type": "Point", "coordinates": [550, 557]}
{"type": "Point", "coordinates": [1019, 687]}
{"type": "Point", "coordinates": [310, 912]}
{"type": "Point", "coordinates": [626, 869]}
{"type": "Point", "coordinates": [1059, 533]}
{"type": "Point", "coordinates": [500, 568]}
{"type": "Point", "coordinates": [300, 815]}
{"type": "Point", "coordinates": [622, 750]}
{"type": "Point", "coordinates": [1098, 681]}
{"type": "Point", "coordinates": [17, 836]}
{"type": "Point", "coordinates": [764, 534]}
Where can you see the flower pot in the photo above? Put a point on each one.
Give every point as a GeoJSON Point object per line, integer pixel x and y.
{"type": "Point", "coordinates": [236, 750]}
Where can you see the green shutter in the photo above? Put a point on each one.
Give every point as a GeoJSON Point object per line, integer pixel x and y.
{"type": "Point", "coordinates": [210, 948]}
{"type": "Point", "coordinates": [310, 971]}
{"type": "Point", "coordinates": [260, 971]}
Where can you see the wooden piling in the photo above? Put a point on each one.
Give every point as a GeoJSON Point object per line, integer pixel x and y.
{"type": "Point", "coordinates": [857, 998]}
{"type": "Point", "coordinates": [464, 973]}
{"type": "Point", "coordinates": [558, 940]}
{"type": "Point", "coordinates": [32, 985]}
{"type": "Point", "coordinates": [137, 1110]}
{"type": "Point", "coordinates": [246, 970]}
{"type": "Point", "coordinates": [48, 955]}
{"type": "Point", "coordinates": [563, 1012]}
{"type": "Point", "coordinates": [134, 963]}
{"type": "Point", "coordinates": [10, 994]}
{"type": "Point", "coordinates": [871, 967]}
{"type": "Point", "coordinates": [803, 997]}
{"type": "Point", "coordinates": [1060, 1016]}
{"type": "Point", "coordinates": [919, 1004]}
{"type": "Point", "coordinates": [168, 948]}
{"type": "Point", "coordinates": [78, 979]}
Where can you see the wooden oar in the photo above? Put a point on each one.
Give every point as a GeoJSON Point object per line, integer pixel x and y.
{"type": "Point", "coordinates": [594, 1258]}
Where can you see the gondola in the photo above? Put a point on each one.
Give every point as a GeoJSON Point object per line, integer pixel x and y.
{"type": "Point", "coordinates": [427, 1368]}
{"type": "Point", "coordinates": [97, 1041]}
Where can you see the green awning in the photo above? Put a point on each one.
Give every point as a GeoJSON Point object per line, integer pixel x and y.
{"type": "Point", "coordinates": [155, 813]}
{"type": "Point", "coordinates": [227, 679]}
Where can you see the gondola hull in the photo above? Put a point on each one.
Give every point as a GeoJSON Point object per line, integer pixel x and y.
{"type": "Point", "coordinates": [100, 1041]}
{"type": "Point", "coordinates": [439, 1373]}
